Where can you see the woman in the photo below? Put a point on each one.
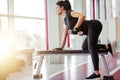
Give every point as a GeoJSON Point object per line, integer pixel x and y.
{"type": "Point", "coordinates": [76, 22]}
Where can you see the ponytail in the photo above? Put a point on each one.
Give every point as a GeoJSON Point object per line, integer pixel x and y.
{"type": "Point", "coordinates": [66, 4]}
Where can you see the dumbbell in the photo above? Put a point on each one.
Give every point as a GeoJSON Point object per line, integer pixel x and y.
{"type": "Point", "coordinates": [80, 33]}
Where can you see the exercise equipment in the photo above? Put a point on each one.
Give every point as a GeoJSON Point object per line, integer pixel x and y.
{"type": "Point", "coordinates": [101, 52]}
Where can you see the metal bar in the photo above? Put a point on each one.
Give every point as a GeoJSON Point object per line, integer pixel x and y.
{"type": "Point", "coordinates": [40, 65]}
{"type": "Point", "coordinates": [105, 65]}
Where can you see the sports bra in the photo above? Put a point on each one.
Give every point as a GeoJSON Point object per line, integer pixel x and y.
{"type": "Point", "coordinates": [71, 22]}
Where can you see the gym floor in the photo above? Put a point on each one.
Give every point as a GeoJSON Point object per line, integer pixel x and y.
{"type": "Point", "coordinates": [75, 68]}
{"type": "Point", "coordinates": [24, 74]}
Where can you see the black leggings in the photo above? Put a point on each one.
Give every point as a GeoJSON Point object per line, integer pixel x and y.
{"type": "Point", "coordinates": [90, 43]}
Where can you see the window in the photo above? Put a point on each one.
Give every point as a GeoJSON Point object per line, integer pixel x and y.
{"type": "Point", "coordinates": [114, 8]}
{"type": "Point", "coordinates": [25, 21]}
{"type": "Point", "coordinates": [32, 8]}
{"type": "Point", "coordinates": [3, 7]}
{"type": "Point", "coordinates": [88, 9]}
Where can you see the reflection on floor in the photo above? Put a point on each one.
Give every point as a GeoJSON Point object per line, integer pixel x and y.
{"type": "Point", "coordinates": [117, 75]}
{"type": "Point", "coordinates": [24, 74]}
{"type": "Point", "coordinates": [50, 70]}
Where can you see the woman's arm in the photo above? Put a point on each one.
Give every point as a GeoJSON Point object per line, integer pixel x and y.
{"type": "Point", "coordinates": [64, 37]}
{"type": "Point", "coordinates": [81, 18]}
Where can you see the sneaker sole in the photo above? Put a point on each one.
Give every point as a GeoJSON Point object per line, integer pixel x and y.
{"type": "Point", "coordinates": [94, 79]}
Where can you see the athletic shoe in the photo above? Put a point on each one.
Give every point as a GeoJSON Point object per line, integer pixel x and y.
{"type": "Point", "coordinates": [112, 49]}
{"type": "Point", "coordinates": [93, 77]}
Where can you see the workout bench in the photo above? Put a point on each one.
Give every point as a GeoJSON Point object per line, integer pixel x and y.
{"type": "Point", "coordinates": [70, 52]}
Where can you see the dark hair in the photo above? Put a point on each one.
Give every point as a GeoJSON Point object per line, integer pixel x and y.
{"type": "Point", "coordinates": [66, 4]}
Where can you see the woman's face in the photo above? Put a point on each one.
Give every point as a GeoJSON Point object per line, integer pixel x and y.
{"type": "Point", "coordinates": [59, 10]}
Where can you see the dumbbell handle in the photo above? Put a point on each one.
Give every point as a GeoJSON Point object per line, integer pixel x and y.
{"type": "Point", "coordinates": [80, 33]}
{"type": "Point", "coordinates": [70, 31]}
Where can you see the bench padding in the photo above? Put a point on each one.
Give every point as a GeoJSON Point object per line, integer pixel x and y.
{"type": "Point", "coordinates": [64, 52]}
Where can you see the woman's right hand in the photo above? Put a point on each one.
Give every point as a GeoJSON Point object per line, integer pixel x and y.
{"type": "Point", "coordinates": [57, 49]}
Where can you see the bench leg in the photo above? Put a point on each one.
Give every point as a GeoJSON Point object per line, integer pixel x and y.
{"type": "Point", "coordinates": [105, 65]}
{"type": "Point", "coordinates": [107, 77]}
{"type": "Point", "coordinates": [38, 72]}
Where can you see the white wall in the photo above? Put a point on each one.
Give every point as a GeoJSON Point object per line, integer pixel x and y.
{"type": "Point", "coordinates": [53, 29]}
{"type": "Point", "coordinates": [111, 22]}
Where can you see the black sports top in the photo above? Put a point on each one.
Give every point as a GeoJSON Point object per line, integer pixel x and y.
{"type": "Point", "coordinates": [71, 22]}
